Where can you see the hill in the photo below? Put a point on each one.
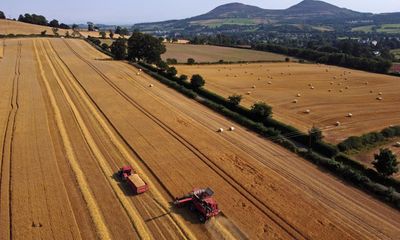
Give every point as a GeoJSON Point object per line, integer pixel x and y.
{"type": "Point", "coordinates": [307, 12]}
{"type": "Point", "coordinates": [15, 27]}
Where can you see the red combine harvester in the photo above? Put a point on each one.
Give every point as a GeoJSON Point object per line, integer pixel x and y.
{"type": "Point", "coordinates": [133, 180]}
{"type": "Point", "coordinates": [200, 201]}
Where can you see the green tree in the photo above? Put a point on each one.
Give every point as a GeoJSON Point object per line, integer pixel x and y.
{"type": "Point", "coordinates": [124, 32]}
{"type": "Point", "coordinates": [94, 40]}
{"type": "Point", "coordinates": [118, 30]}
{"type": "Point", "coordinates": [386, 162]}
{"type": "Point", "coordinates": [34, 19]}
{"type": "Point", "coordinates": [172, 61]}
{"type": "Point", "coordinates": [171, 71]}
{"type": "Point", "coordinates": [315, 134]}
{"type": "Point", "coordinates": [235, 99]}
{"type": "Point", "coordinates": [162, 65]}
{"type": "Point", "coordinates": [121, 31]}
{"type": "Point", "coordinates": [90, 26]}
{"type": "Point", "coordinates": [67, 35]}
{"type": "Point", "coordinates": [74, 26]}
{"type": "Point", "coordinates": [118, 48]}
{"type": "Point", "coordinates": [111, 34]}
{"type": "Point", "coordinates": [144, 47]}
{"type": "Point", "coordinates": [197, 81]}
{"type": "Point", "coordinates": [64, 26]}
{"type": "Point", "coordinates": [261, 111]}
{"type": "Point", "coordinates": [2, 16]}
{"type": "Point", "coordinates": [105, 46]}
{"type": "Point", "coordinates": [103, 34]}
{"type": "Point", "coordinates": [191, 61]}
{"type": "Point", "coordinates": [54, 23]}
{"type": "Point", "coordinates": [183, 77]}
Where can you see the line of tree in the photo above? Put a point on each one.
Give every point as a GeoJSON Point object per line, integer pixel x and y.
{"type": "Point", "coordinates": [358, 143]}
{"type": "Point", "coordinates": [118, 48]}
{"type": "Point", "coordinates": [41, 20]}
{"type": "Point", "coordinates": [55, 24]}
{"type": "Point", "coordinates": [2, 16]}
{"type": "Point", "coordinates": [121, 31]}
{"type": "Point", "coordinates": [377, 64]}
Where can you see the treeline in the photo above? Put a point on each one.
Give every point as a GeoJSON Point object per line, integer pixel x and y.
{"type": "Point", "coordinates": [368, 140]}
{"type": "Point", "coordinates": [377, 65]}
{"type": "Point", "coordinates": [330, 159]}
{"type": "Point", "coordinates": [139, 47]}
{"type": "Point", "coordinates": [41, 20]}
{"type": "Point", "coordinates": [216, 39]}
{"type": "Point", "coordinates": [2, 16]}
{"type": "Point", "coordinates": [258, 119]}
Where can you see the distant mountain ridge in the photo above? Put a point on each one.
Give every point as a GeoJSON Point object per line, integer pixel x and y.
{"type": "Point", "coordinates": [304, 8]}
{"type": "Point", "coordinates": [306, 12]}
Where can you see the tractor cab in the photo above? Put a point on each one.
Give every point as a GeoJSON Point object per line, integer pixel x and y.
{"type": "Point", "coordinates": [124, 172]}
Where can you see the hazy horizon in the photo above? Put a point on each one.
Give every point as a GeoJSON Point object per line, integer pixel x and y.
{"type": "Point", "coordinates": [129, 12]}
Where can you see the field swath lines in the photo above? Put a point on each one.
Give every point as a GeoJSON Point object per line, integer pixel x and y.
{"type": "Point", "coordinates": [80, 177]}
{"type": "Point", "coordinates": [235, 184]}
{"type": "Point", "coordinates": [137, 222]}
{"type": "Point", "coordinates": [105, 123]}
{"type": "Point", "coordinates": [98, 118]}
{"type": "Point", "coordinates": [7, 150]}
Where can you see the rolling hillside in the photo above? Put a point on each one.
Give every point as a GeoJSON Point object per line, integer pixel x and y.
{"type": "Point", "coordinates": [15, 27]}
{"type": "Point", "coordinates": [308, 12]}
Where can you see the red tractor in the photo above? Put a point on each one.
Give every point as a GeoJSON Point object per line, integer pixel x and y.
{"type": "Point", "coordinates": [200, 201]}
{"type": "Point", "coordinates": [132, 179]}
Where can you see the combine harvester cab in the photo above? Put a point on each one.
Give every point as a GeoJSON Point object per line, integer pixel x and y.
{"type": "Point", "coordinates": [200, 201]}
{"type": "Point", "coordinates": [133, 180]}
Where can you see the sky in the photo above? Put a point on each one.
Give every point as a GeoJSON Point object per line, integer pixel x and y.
{"type": "Point", "coordinates": [133, 11]}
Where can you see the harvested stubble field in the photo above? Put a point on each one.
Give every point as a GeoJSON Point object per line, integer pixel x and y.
{"type": "Point", "coordinates": [366, 157]}
{"type": "Point", "coordinates": [330, 93]}
{"type": "Point", "coordinates": [15, 27]}
{"type": "Point", "coordinates": [70, 120]}
{"type": "Point", "coordinates": [208, 53]}
{"type": "Point", "coordinates": [96, 34]}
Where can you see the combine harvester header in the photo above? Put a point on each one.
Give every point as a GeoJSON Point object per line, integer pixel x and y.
{"type": "Point", "coordinates": [200, 201]}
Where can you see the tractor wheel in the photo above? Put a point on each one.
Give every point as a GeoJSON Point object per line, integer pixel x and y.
{"type": "Point", "coordinates": [202, 218]}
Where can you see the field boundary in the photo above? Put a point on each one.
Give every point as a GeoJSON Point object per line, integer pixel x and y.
{"type": "Point", "coordinates": [341, 169]}
{"type": "Point", "coordinates": [320, 153]}
{"type": "Point", "coordinates": [231, 62]}
{"type": "Point", "coordinates": [374, 65]}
